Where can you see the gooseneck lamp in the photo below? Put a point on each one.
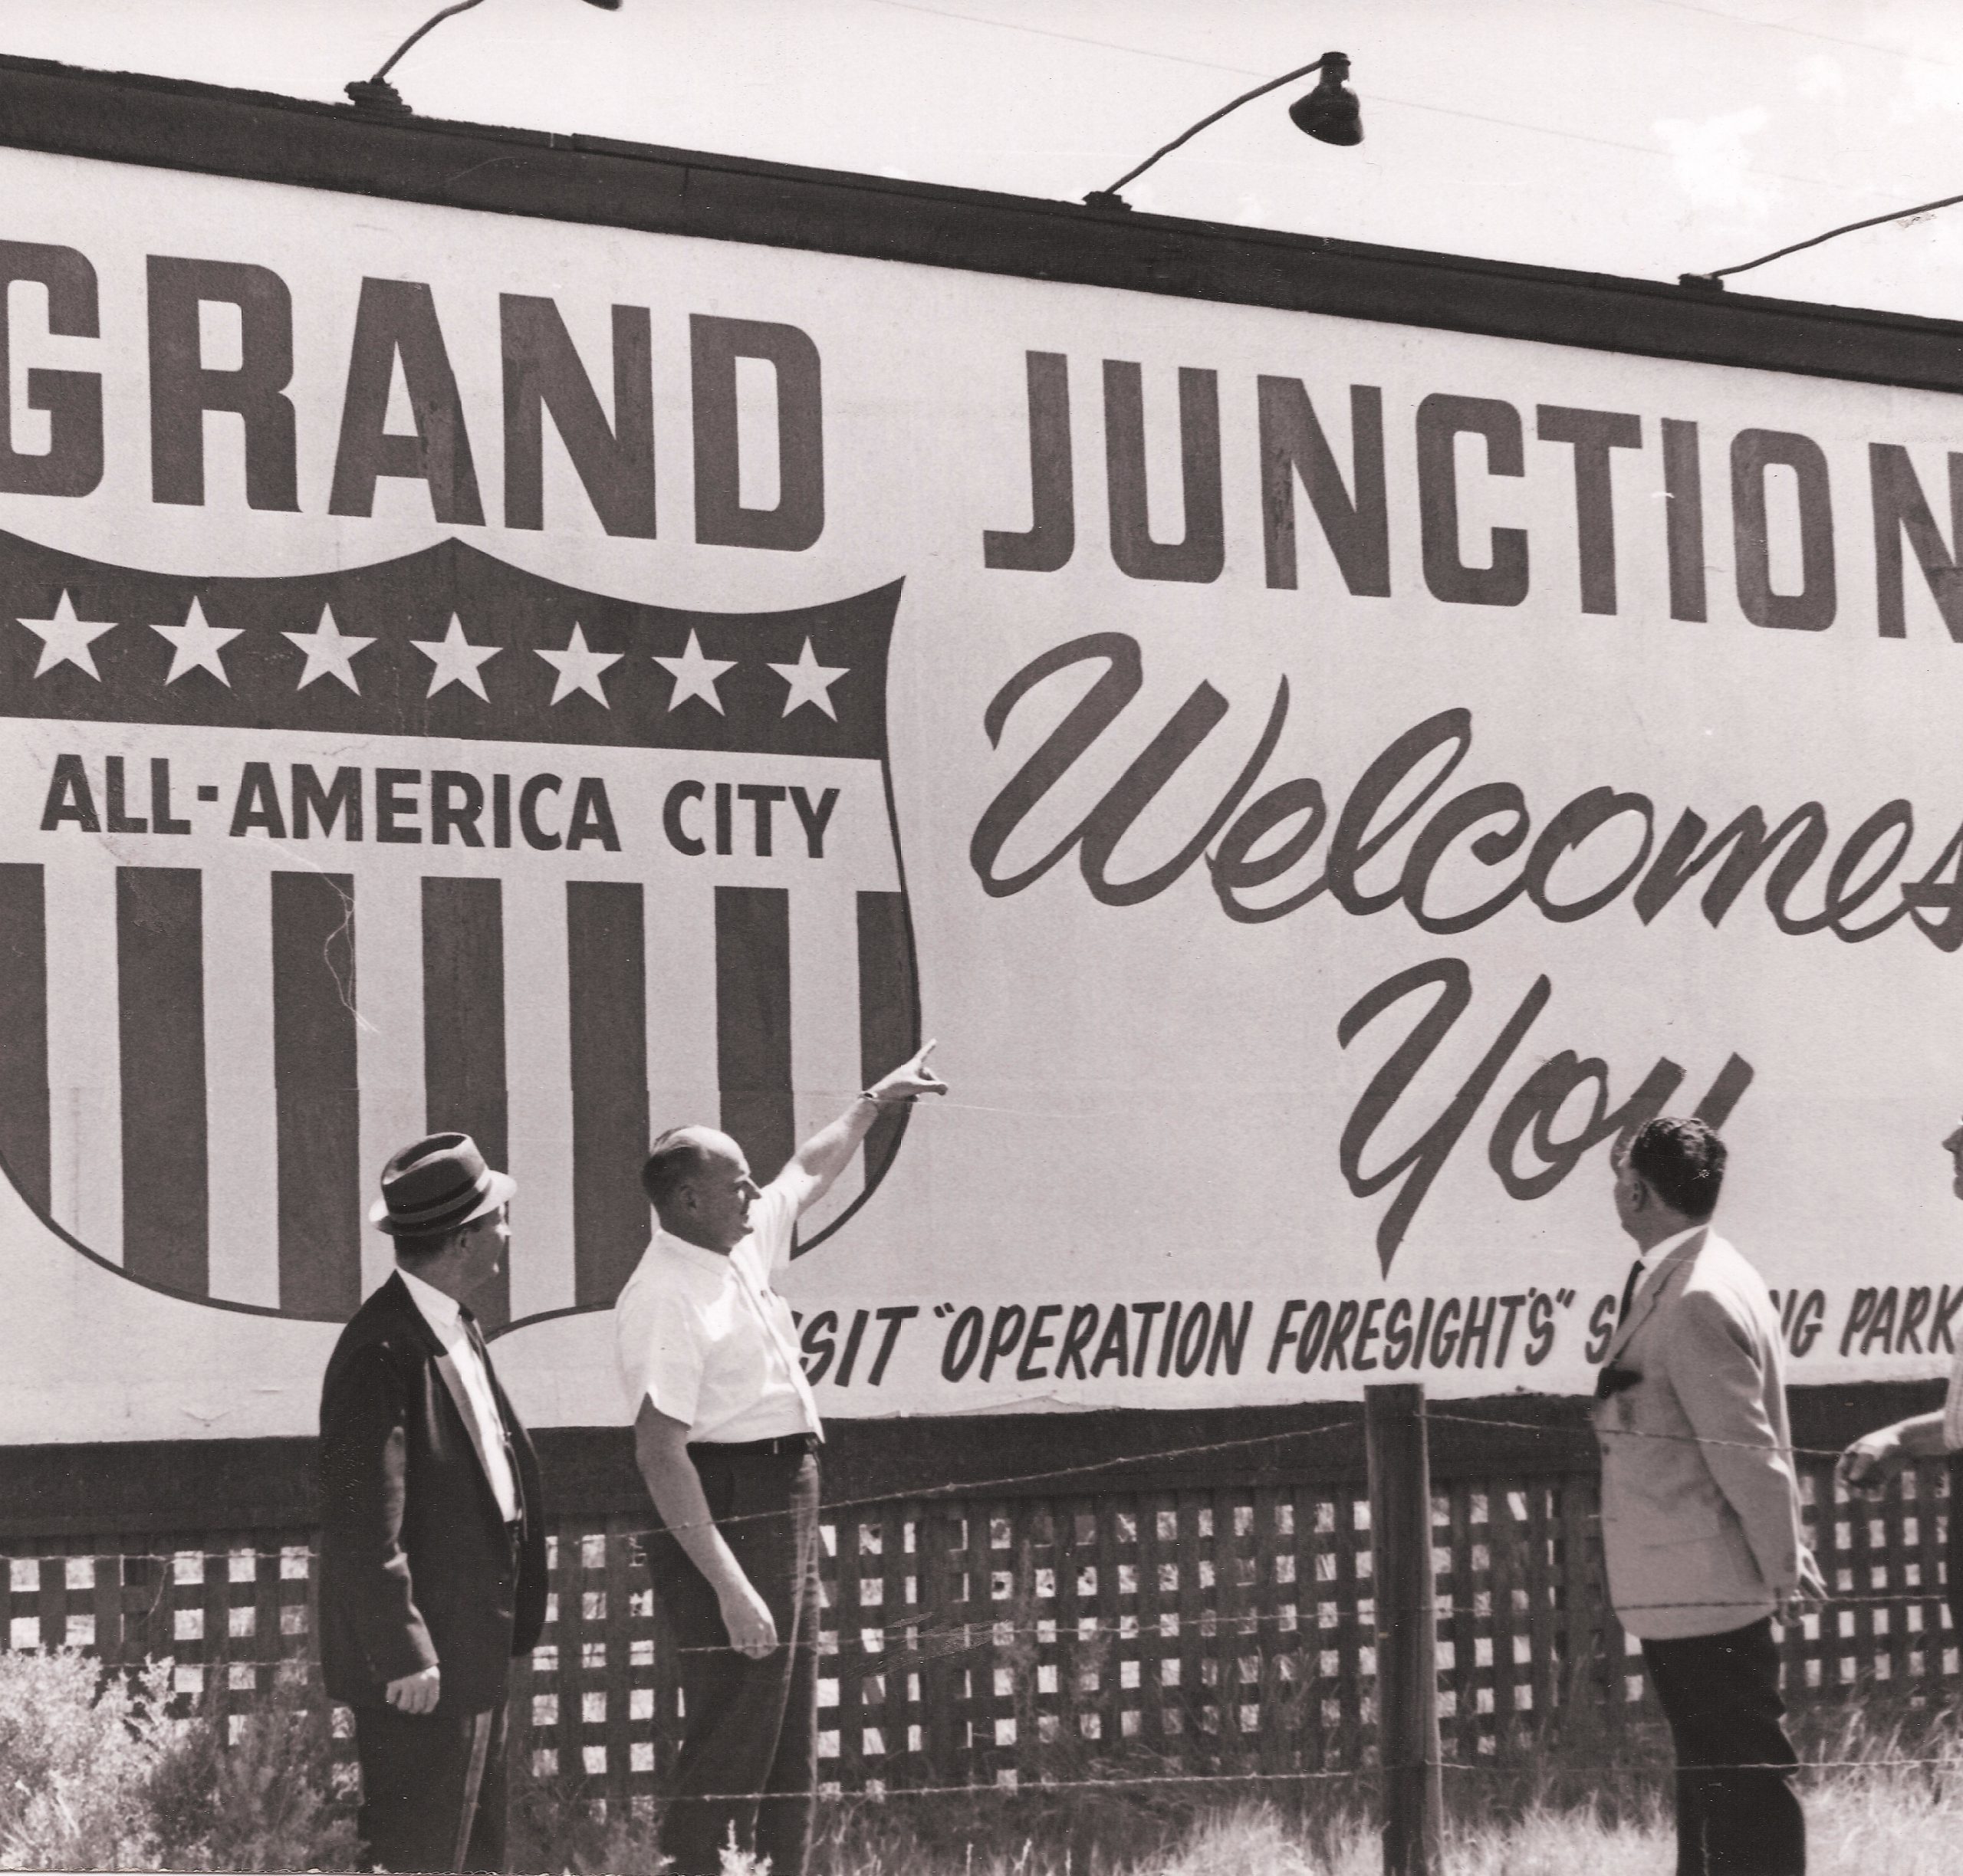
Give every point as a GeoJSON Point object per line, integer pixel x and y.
{"type": "Point", "coordinates": [1714, 281]}
{"type": "Point", "coordinates": [1330, 114]}
{"type": "Point", "coordinates": [377, 95]}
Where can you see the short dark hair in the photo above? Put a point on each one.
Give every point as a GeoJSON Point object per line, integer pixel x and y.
{"type": "Point", "coordinates": [672, 1160]}
{"type": "Point", "coordinates": [1683, 1162]}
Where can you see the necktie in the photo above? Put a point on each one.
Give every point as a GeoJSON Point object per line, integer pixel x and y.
{"type": "Point", "coordinates": [1629, 1292]}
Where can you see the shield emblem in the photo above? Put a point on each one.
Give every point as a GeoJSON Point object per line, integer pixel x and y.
{"type": "Point", "coordinates": [300, 869]}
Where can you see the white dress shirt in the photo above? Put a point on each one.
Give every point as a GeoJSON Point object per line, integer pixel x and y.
{"type": "Point", "coordinates": [445, 1315]}
{"type": "Point", "coordinates": [703, 1336]}
{"type": "Point", "coordinates": [1952, 1405]}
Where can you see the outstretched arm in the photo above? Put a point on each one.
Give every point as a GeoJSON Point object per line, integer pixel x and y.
{"type": "Point", "coordinates": [1875, 1458]}
{"type": "Point", "coordinates": [829, 1151]}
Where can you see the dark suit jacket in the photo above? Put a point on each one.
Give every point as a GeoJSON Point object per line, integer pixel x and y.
{"type": "Point", "coordinates": [416, 1563]}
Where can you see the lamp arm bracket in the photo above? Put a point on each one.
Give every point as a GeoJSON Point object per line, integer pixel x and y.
{"type": "Point", "coordinates": [434, 20]}
{"type": "Point", "coordinates": [1246, 98]}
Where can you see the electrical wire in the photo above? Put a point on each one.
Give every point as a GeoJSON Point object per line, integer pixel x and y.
{"type": "Point", "coordinates": [1372, 97]}
{"type": "Point", "coordinates": [1805, 32]}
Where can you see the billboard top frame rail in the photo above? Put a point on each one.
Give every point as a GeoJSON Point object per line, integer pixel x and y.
{"type": "Point", "coordinates": [176, 124]}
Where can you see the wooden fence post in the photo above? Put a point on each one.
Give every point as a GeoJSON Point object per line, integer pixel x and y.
{"type": "Point", "coordinates": [1400, 1474]}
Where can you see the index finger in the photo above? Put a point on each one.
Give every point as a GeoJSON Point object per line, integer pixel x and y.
{"type": "Point", "coordinates": [927, 1048]}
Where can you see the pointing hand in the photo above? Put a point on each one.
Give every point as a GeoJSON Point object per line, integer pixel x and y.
{"type": "Point", "coordinates": [911, 1080]}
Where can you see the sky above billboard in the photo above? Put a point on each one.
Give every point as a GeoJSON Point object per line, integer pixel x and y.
{"type": "Point", "coordinates": [1643, 137]}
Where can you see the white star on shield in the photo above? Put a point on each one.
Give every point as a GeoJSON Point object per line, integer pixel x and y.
{"type": "Point", "coordinates": [579, 668]}
{"type": "Point", "coordinates": [456, 659]}
{"type": "Point", "coordinates": [695, 675]}
{"type": "Point", "coordinates": [195, 645]}
{"type": "Point", "coordinates": [330, 652]}
{"type": "Point", "coordinates": [65, 639]}
{"type": "Point", "coordinates": [811, 682]}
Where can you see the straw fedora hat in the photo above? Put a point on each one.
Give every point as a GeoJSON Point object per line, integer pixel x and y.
{"type": "Point", "coordinates": [437, 1184]}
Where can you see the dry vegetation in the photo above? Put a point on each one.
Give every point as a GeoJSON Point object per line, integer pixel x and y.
{"type": "Point", "coordinates": [1890, 1797]}
{"type": "Point", "coordinates": [96, 1773]}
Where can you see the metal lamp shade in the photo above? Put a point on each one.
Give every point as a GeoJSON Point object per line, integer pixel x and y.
{"type": "Point", "coordinates": [1330, 114]}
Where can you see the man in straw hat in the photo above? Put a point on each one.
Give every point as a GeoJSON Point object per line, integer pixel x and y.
{"type": "Point", "coordinates": [432, 1547]}
{"type": "Point", "coordinates": [726, 1434]}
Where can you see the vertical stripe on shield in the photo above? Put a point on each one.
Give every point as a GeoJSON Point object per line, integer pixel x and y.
{"type": "Point", "coordinates": [607, 982]}
{"type": "Point", "coordinates": [889, 1023]}
{"type": "Point", "coordinates": [753, 1023]}
{"type": "Point", "coordinates": [160, 983]}
{"type": "Point", "coordinates": [317, 1094]}
{"type": "Point", "coordinates": [463, 1034]}
{"type": "Point", "coordinates": [24, 1119]}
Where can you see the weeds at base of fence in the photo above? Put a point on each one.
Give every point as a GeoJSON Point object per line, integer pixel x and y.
{"type": "Point", "coordinates": [556, 1825]}
{"type": "Point", "coordinates": [104, 1769]}
{"type": "Point", "coordinates": [256, 1789]}
{"type": "Point", "coordinates": [1548, 1791]}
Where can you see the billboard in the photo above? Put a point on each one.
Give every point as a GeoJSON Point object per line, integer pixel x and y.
{"type": "Point", "coordinates": [1320, 777]}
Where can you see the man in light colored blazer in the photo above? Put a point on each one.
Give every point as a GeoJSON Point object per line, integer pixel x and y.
{"type": "Point", "coordinates": [1871, 1461]}
{"type": "Point", "coordinates": [1701, 1505]}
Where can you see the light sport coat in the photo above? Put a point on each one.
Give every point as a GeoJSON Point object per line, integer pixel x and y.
{"type": "Point", "coordinates": [1700, 1503]}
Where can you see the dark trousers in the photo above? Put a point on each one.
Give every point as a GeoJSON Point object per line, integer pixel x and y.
{"type": "Point", "coordinates": [1736, 1812]}
{"type": "Point", "coordinates": [749, 1754]}
{"type": "Point", "coordinates": [418, 1811]}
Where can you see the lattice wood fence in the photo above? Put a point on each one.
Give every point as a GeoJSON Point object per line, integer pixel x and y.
{"type": "Point", "coordinates": [996, 1642]}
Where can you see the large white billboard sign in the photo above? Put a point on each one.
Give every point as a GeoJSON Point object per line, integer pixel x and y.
{"type": "Point", "coordinates": [1319, 779]}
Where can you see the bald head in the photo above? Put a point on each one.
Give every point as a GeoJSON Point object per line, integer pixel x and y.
{"type": "Point", "coordinates": [676, 1157]}
{"type": "Point", "coordinates": [698, 1182]}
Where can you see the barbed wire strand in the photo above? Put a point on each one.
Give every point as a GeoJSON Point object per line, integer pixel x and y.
{"type": "Point", "coordinates": [928, 1494]}
{"type": "Point", "coordinates": [972, 1488]}
{"type": "Point", "coordinates": [935, 1494]}
{"type": "Point", "coordinates": [1039, 1786]}
{"type": "Point", "coordinates": [935, 1645]}
{"type": "Point", "coordinates": [921, 1643]}
{"type": "Point", "coordinates": [1633, 1433]}
{"type": "Point", "coordinates": [945, 1644]}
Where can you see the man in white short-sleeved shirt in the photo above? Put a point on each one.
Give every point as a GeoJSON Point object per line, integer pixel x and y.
{"type": "Point", "coordinates": [726, 1434]}
{"type": "Point", "coordinates": [1875, 1458]}
{"type": "Point", "coordinates": [703, 1338]}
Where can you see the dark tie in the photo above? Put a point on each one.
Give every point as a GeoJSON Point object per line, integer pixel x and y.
{"type": "Point", "coordinates": [476, 1335]}
{"type": "Point", "coordinates": [1629, 1292]}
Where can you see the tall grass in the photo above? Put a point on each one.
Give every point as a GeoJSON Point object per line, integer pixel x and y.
{"type": "Point", "coordinates": [1552, 1802]}
{"type": "Point", "coordinates": [96, 1772]}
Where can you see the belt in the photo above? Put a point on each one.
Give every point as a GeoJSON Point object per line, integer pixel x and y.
{"type": "Point", "coordinates": [783, 1443]}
